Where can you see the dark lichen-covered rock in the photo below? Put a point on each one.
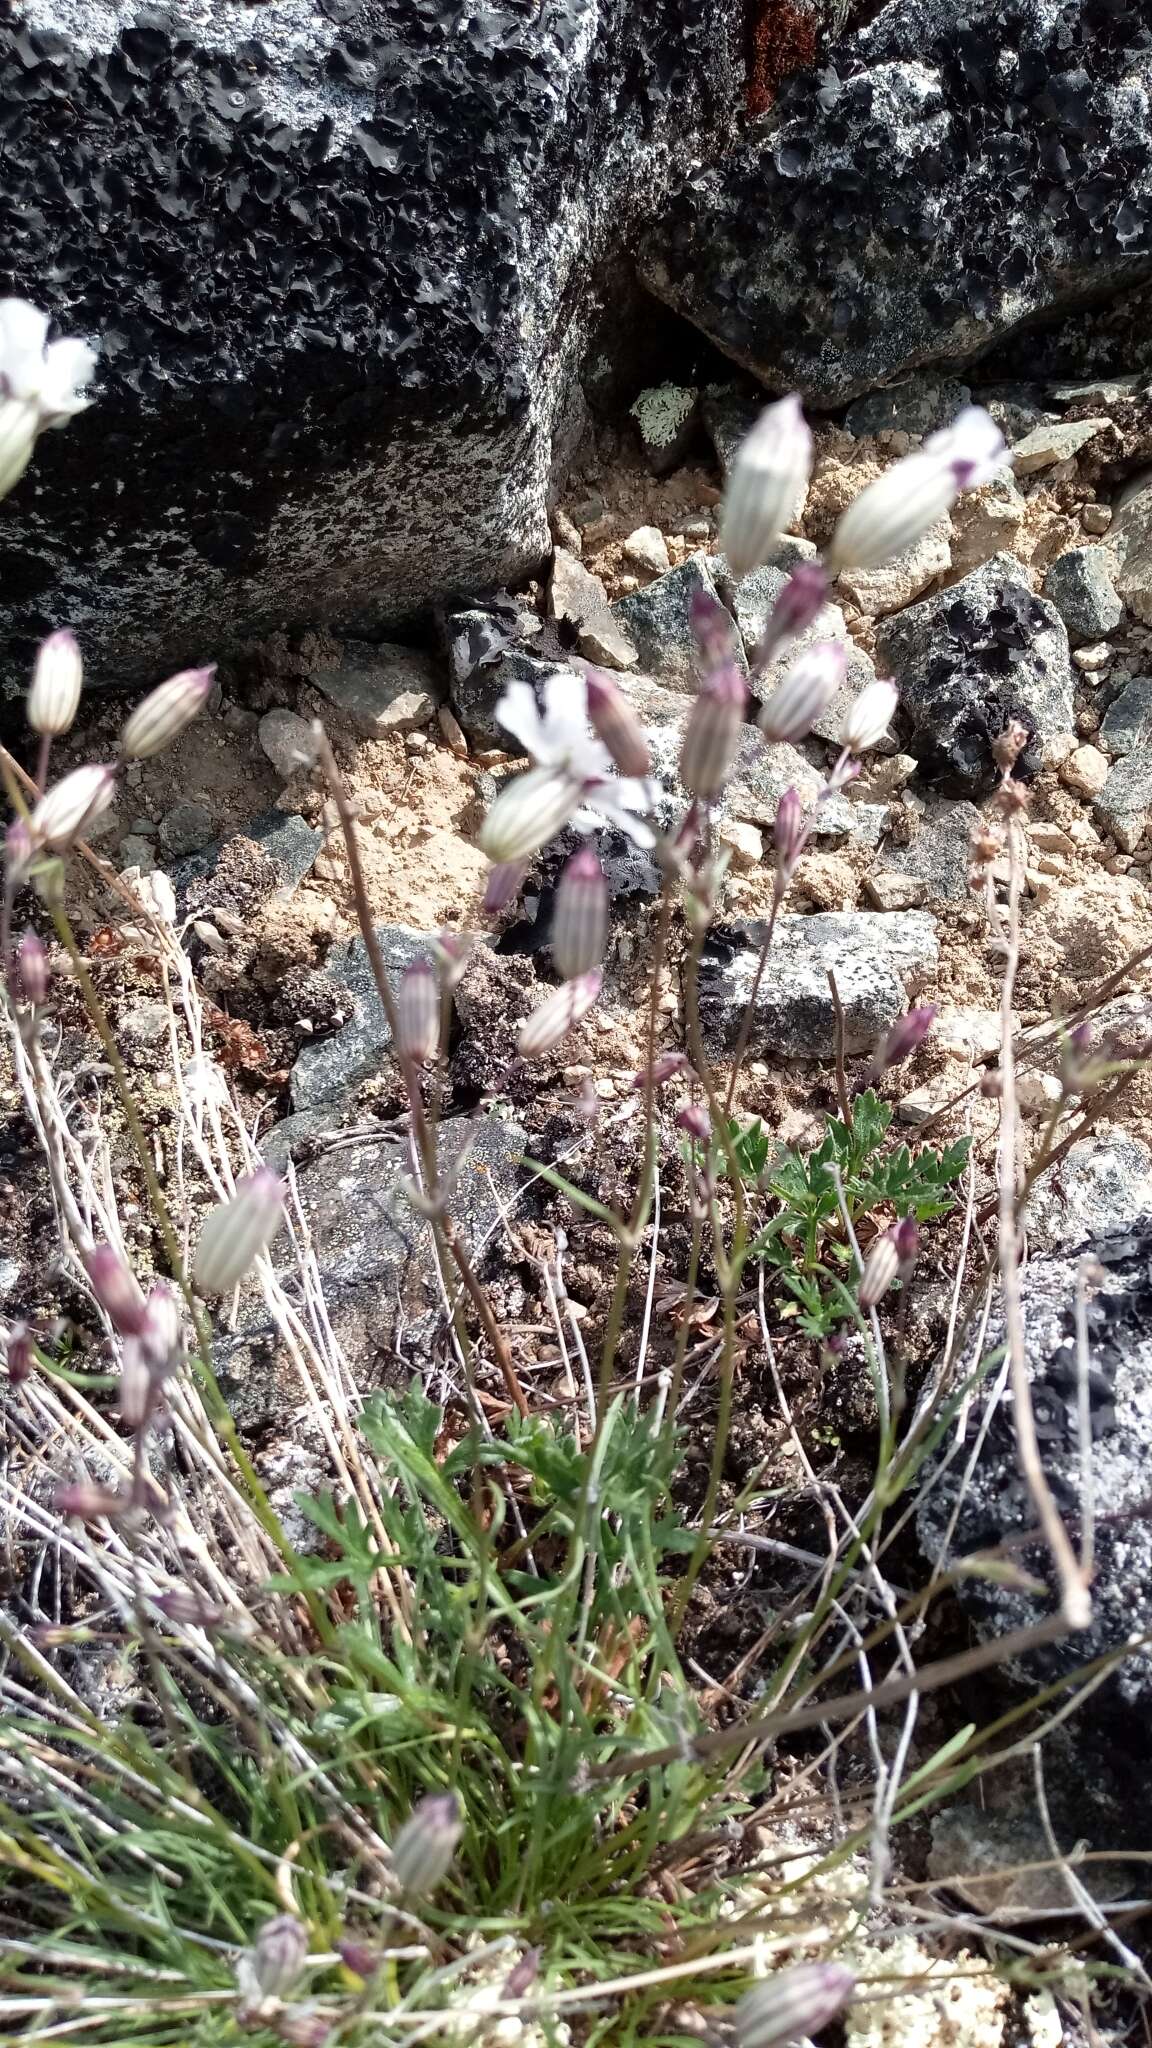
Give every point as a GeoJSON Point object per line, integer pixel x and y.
{"type": "Point", "coordinates": [338, 255]}
{"type": "Point", "coordinates": [957, 170]}
{"type": "Point", "coordinates": [970, 660]}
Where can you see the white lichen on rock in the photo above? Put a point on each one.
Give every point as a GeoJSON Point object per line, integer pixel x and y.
{"type": "Point", "coordinates": [660, 412]}
{"type": "Point", "coordinates": [952, 2004]}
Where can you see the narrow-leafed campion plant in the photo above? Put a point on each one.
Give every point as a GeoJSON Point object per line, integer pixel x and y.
{"type": "Point", "coordinates": [446, 1770]}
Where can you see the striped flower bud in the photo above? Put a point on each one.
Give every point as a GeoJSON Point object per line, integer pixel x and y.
{"type": "Point", "coordinates": [869, 716]}
{"type": "Point", "coordinates": [73, 805]}
{"type": "Point", "coordinates": [528, 813]}
{"type": "Point", "coordinates": [188, 1608]}
{"type": "Point", "coordinates": [713, 629]}
{"type": "Point", "coordinates": [881, 1268]}
{"type": "Point", "coordinates": [893, 513]}
{"type": "Point", "coordinates": [557, 1015]}
{"type": "Point", "coordinates": [166, 711]}
{"type": "Point", "coordinates": [580, 918]}
{"type": "Point", "coordinates": [696, 1122]}
{"type": "Point", "coordinates": [90, 1503]}
{"type": "Point", "coordinates": [615, 723]}
{"type": "Point", "coordinates": [116, 1289]}
{"type": "Point", "coordinates": [766, 485]}
{"type": "Point", "coordinates": [503, 886]}
{"type": "Point", "coordinates": [805, 692]}
{"type": "Point", "coordinates": [788, 829]}
{"type": "Point", "coordinates": [57, 678]}
{"type": "Point", "coordinates": [906, 1238]}
{"type": "Point", "coordinates": [418, 1013]}
{"type": "Point", "coordinates": [426, 1845]}
{"type": "Point", "coordinates": [799, 604]}
{"type": "Point", "coordinates": [137, 1391]}
{"type": "Point", "coordinates": [18, 851]}
{"type": "Point", "coordinates": [30, 972]}
{"type": "Point", "coordinates": [665, 1067]}
{"type": "Point", "coordinates": [906, 1036]}
{"type": "Point", "coordinates": [273, 1964]}
{"type": "Point", "coordinates": [712, 735]}
{"type": "Point", "coordinates": [792, 2004]}
{"type": "Point", "coordinates": [19, 1354]}
{"type": "Point", "coordinates": [304, 2026]}
{"type": "Point", "coordinates": [162, 1336]}
{"type": "Point", "coordinates": [237, 1231]}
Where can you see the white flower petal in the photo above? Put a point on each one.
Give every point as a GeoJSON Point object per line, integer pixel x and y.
{"type": "Point", "coordinates": [23, 333]}
{"type": "Point", "coordinates": [518, 715]}
{"type": "Point", "coordinates": [68, 368]}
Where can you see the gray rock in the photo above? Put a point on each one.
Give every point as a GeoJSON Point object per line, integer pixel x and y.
{"type": "Point", "coordinates": [1053, 442]}
{"type": "Point", "coordinates": [917, 406]}
{"type": "Point", "coordinates": [475, 699]}
{"type": "Point", "coordinates": [729, 412]}
{"type": "Point", "coordinates": [376, 1260]}
{"type": "Point", "coordinates": [1081, 585]}
{"type": "Point", "coordinates": [187, 828]}
{"type": "Point", "coordinates": [978, 1480]}
{"type": "Point", "coordinates": [879, 960]}
{"type": "Point", "coordinates": [1102, 1183]}
{"type": "Point", "coordinates": [1123, 804]}
{"type": "Point", "coordinates": [289, 843]}
{"type": "Point", "coordinates": [381, 688]}
{"type": "Point", "coordinates": [578, 601]}
{"type": "Point", "coordinates": [478, 637]}
{"type": "Point", "coordinates": [135, 852]}
{"type": "Point", "coordinates": [287, 741]}
{"type": "Point", "coordinates": [294, 1135]}
{"type": "Point", "coordinates": [388, 227]}
{"type": "Point", "coordinates": [1127, 722]}
{"type": "Point", "coordinates": [968, 661]}
{"type": "Point", "coordinates": [1000, 1862]}
{"type": "Point", "coordinates": [872, 225]}
{"type": "Point", "coordinates": [327, 1067]}
{"type": "Point", "coordinates": [1130, 539]}
{"type": "Point", "coordinates": [658, 622]}
{"type": "Point", "coordinates": [939, 853]}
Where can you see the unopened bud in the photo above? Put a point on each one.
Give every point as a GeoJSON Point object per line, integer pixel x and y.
{"type": "Point", "coordinates": [166, 711]}
{"type": "Point", "coordinates": [665, 1067]}
{"type": "Point", "coordinates": [805, 692]}
{"type": "Point", "coordinates": [798, 606]}
{"type": "Point", "coordinates": [18, 851]}
{"type": "Point", "coordinates": [792, 2004]}
{"type": "Point", "coordinates": [359, 1957]}
{"type": "Point", "coordinates": [30, 972]}
{"type": "Point", "coordinates": [162, 1335]}
{"type": "Point", "coordinates": [788, 829]}
{"type": "Point", "coordinates": [869, 716]}
{"type": "Point", "coordinates": [426, 1845]}
{"type": "Point", "coordinates": [906, 1238]}
{"type": "Point", "coordinates": [616, 725]}
{"type": "Point", "coordinates": [906, 1036]}
{"type": "Point", "coordinates": [453, 950]}
{"type": "Point", "coordinates": [19, 1354]}
{"type": "Point", "coordinates": [137, 1391]}
{"type": "Point", "coordinates": [714, 631]}
{"type": "Point", "coordinates": [73, 804]}
{"type": "Point", "coordinates": [90, 1503]}
{"type": "Point", "coordinates": [303, 2026]}
{"type": "Point", "coordinates": [881, 1268]}
{"type": "Point", "coordinates": [713, 733]}
{"type": "Point", "coordinates": [695, 1122]}
{"type": "Point", "coordinates": [116, 1289]}
{"type": "Point", "coordinates": [522, 1975]}
{"type": "Point", "coordinates": [237, 1231]}
{"type": "Point", "coordinates": [766, 485]}
{"type": "Point", "coordinates": [1008, 746]}
{"type": "Point", "coordinates": [57, 679]}
{"type": "Point", "coordinates": [503, 886]}
{"type": "Point", "coordinates": [580, 918]}
{"type": "Point", "coordinates": [418, 1013]}
{"type": "Point", "coordinates": [528, 813]}
{"type": "Point", "coordinates": [893, 513]}
{"type": "Point", "coordinates": [273, 1964]}
{"type": "Point", "coordinates": [189, 1609]}
{"type": "Point", "coordinates": [557, 1015]}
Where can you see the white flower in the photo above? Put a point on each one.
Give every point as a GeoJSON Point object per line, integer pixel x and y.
{"type": "Point", "coordinates": [868, 716]}
{"type": "Point", "coordinates": [973, 448]}
{"type": "Point", "coordinates": [41, 384]}
{"type": "Point", "coordinates": [571, 781]}
{"type": "Point", "coordinates": [893, 513]}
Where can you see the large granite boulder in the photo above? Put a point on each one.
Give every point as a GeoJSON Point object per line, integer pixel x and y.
{"type": "Point", "coordinates": [959, 168]}
{"type": "Point", "coordinates": [339, 255]}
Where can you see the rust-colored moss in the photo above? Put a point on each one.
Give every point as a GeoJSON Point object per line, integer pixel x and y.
{"type": "Point", "coordinates": [781, 40]}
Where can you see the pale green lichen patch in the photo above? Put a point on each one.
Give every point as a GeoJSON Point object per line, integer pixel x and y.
{"type": "Point", "coordinates": [661, 411]}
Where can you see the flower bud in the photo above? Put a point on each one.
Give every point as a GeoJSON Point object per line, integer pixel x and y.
{"type": "Point", "coordinates": [713, 629]}
{"type": "Point", "coordinates": [528, 813]}
{"type": "Point", "coordinates": [162, 1335]}
{"type": "Point", "coordinates": [615, 724]}
{"type": "Point", "coordinates": [522, 1975]}
{"type": "Point", "coordinates": [695, 1122]}
{"type": "Point", "coordinates": [57, 678]}
{"type": "Point", "coordinates": [788, 829]}
{"type": "Point", "coordinates": [166, 711]}
{"type": "Point", "coordinates": [425, 1846]}
{"type": "Point", "coordinates": [452, 951]}
{"type": "Point", "coordinates": [30, 971]}
{"type": "Point", "coordinates": [766, 485]}
{"type": "Point", "coordinates": [892, 514]}
{"type": "Point", "coordinates": [580, 918]}
{"type": "Point", "coordinates": [869, 716]}
{"type": "Point", "coordinates": [798, 606]}
{"type": "Point", "coordinates": [303, 2026]}
{"type": "Point", "coordinates": [906, 1238]}
{"type": "Point", "coordinates": [116, 1289]}
{"type": "Point", "coordinates": [806, 691]}
{"type": "Point", "coordinates": [665, 1067]}
{"type": "Point", "coordinates": [358, 1956]}
{"type": "Point", "coordinates": [418, 1013]}
{"type": "Point", "coordinates": [18, 851]}
{"type": "Point", "coordinates": [1008, 746]}
{"type": "Point", "coordinates": [237, 1231]}
{"type": "Point", "coordinates": [792, 2004]}
{"type": "Point", "coordinates": [503, 886]}
{"type": "Point", "coordinates": [137, 1392]}
{"type": "Point", "coordinates": [557, 1015]}
{"type": "Point", "coordinates": [73, 804]}
{"type": "Point", "coordinates": [189, 1609]}
{"type": "Point", "coordinates": [881, 1268]}
{"type": "Point", "coordinates": [713, 733]}
{"type": "Point", "coordinates": [273, 1964]}
{"type": "Point", "coordinates": [19, 1354]}
{"type": "Point", "coordinates": [90, 1503]}
{"type": "Point", "coordinates": [906, 1036]}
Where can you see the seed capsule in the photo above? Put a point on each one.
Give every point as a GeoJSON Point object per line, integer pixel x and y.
{"type": "Point", "coordinates": [713, 733]}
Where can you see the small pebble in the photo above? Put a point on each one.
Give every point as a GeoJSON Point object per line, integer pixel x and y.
{"type": "Point", "coordinates": [1096, 518]}
{"type": "Point", "coordinates": [416, 743]}
{"type": "Point", "coordinates": [1087, 721]}
{"type": "Point", "coordinates": [1091, 660]}
{"type": "Point", "coordinates": [648, 549]}
{"type": "Point", "coordinates": [1085, 771]}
